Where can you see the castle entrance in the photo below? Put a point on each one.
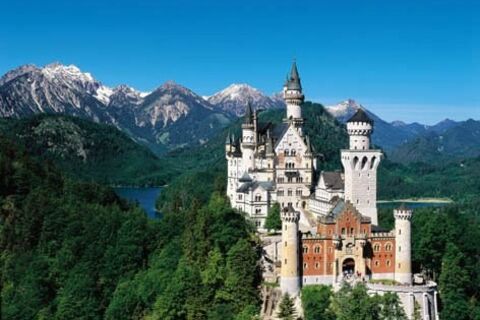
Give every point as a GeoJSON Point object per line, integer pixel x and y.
{"type": "Point", "coordinates": [348, 266]}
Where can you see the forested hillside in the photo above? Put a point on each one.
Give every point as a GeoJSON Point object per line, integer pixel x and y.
{"type": "Point", "coordinates": [86, 150]}
{"type": "Point", "coordinates": [74, 250]}
{"type": "Point", "coordinates": [457, 179]}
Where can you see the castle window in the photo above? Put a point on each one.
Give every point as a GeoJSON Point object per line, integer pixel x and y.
{"type": "Point", "coordinates": [317, 265]}
{"type": "Point", "coordinates": [258, 224]}
{"type": "Point", "coordinates": [258, 210]}
{"type": "Point", "coordinates": [258, 197]}
{"type": "Point", "coordinates": [240, 197]}
{"type": "Point", "coordinates": [298, 192]}
{"type": "Point", "coordinates": [305, 249]}
{"type": "Point", "coordinates": [376, 247]}
{"type": "Point", "coordinates": [305, 265]}
{"type": "Point", "coordinates": [372, 163]}
{"type": "Point", "coordinates": [377, 263]}
{"type": "Point", "coordinates": [351, 231]}
{"type": "Point", "coordinates": [280, 180]}
{"type": "Point", "coordinates": [388, 263]}
{"type": "Point", "coordinates": [280, 192]}
{"type": "Point", "coordinates": [289, 192]}
{"type": "Point", "coordinates": [285, 152]}
{"type": "Point", "coordinates": [289, 179]}
{"type": "Point", "coordinates": [388, 247]}
{"type": "Point", "coordinates": [317, 249]}
{"type": "Point", "coordinates": [343, 231]}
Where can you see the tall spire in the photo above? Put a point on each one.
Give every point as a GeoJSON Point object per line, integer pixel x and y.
{"type": "Point", "coordinates": [293, 82]}
{"type": "Point", "coordinates": [248, 114]}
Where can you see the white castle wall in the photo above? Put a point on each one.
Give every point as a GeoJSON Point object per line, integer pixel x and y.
{"type": "Point", "coordinates": [403, 244]}
{"type": "Point", "coordinates": [361, 180]}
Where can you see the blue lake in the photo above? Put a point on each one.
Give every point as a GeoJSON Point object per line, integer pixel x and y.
{"type": "Point", "coordinates": [145, 197]}
{"type": "Point", "coordinates": [411, 205]}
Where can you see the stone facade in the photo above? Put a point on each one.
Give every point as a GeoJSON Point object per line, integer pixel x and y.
{"type": "Point", "coordinates": [270, 163]}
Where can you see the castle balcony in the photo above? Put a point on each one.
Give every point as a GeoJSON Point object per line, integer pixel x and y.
{"type": "Point", "coordinates": [292, 172]}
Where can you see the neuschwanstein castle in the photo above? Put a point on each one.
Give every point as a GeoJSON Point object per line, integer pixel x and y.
{"type": "Point", "coordinates": [330, 229]}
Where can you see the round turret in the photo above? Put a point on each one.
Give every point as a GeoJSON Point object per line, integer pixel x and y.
{"type": "Point", "coordinates": [403, 244]}
{"type": "Point", "coordinates": [290, 275]}
{"type": "Point", "coordinates": [292, 94]}
{"type": "Point", "coordinates": [359, 128]}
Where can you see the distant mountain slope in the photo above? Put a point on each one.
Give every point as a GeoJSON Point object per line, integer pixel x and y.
{"type": "Point", "coordinates": [235, 97]}
{"type": "Point", "coordinates": [85, 150]}
{"type": "Point", "coordinates": [385, 135]}
{"type": "Point", "coordinates": [170, 117]}
{"type": "Point", "coordinates": [457, 142]}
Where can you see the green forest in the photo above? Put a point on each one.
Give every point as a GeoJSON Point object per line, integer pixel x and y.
{"type": "Point", "coordinates": [72, 249]}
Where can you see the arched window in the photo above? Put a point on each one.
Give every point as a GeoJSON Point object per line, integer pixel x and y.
{"type": "Point", "coordinates": [388, 246]}
{"type": "Point", "coordinates": [355, 162]}
{"type": "Point", "coordinates": [317, 249]}
{"type": "Point", "coordinates": [376, 247]}
{"type": "Point", "coordinates": [289, 192]}
{"type": "Point", "coordinates": [317, 265]}
{"type": "Point", "coordinates": [364, 163]}
{"type": "Point", "coordinates": [305, 249]}
{"type": "Point", "coordinates": [388, 263]}
{"type": "Point", "coordinates": [372, 163]}
{"type": "Point", "coordinates": [305, 265]}
{"type": "Point", "coordinates": [377, 263]}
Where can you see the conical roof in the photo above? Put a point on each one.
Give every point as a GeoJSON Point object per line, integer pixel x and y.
{"type": "Point", "coordinates": [360, 116]}
{"type": "Point", "coordinates": [248, 114]}
{"type": "Point", "coordinates": [293, 82]}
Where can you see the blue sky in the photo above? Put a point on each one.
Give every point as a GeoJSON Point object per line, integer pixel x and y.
{"type": "Point", "coordinates": [407, 60]}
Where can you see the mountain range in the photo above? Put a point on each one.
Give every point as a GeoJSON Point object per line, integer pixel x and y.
{"type": "Point", "coordinates": [388, 135]}
{"type": "Point", "coordinates": [169, 117]}
{"type": "Point", "coordinates": [173, 116]}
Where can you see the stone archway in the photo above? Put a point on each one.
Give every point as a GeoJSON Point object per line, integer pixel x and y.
{"type": "Point", "coordinates": [348, 266]}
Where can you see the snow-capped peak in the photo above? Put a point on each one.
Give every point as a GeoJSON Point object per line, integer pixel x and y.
{"type": "Point", "coordinates": [236, 91]}
{"type": "Point", "coordinates": [235, 97]}
{"type": "Point", "coordinates": [56, 69]}
{"type": "Point", "coordinates": [343, 108]}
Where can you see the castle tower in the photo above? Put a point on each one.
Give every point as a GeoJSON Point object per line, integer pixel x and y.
{"type": "Point", "coordinates": [248, 140]}
{"type": "Point", "coordinates": [360, 164]}
{"type": "Point", "coordinates": [293, 96]}
{"type": "Point", "coordinates": [403, 241]}
{"type": "Point", "coordinates": [290, 275]}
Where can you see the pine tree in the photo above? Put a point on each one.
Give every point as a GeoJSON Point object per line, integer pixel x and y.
{"type": "Point", "coordinates": [273, 221]}
{"type": "Point", "coordinates": [287, 308]}
{"type": "Point", "coordinates": [391, 308]}
{"type": "Point", "coordinates": [452, 283]}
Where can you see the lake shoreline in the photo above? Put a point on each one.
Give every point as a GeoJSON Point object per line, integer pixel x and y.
{"type": "Point", "coordinates": [418, 200]}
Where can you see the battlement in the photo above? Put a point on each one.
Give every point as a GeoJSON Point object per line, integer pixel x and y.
{"type": "Point", "coordinates": [290, 216]}
{"type": "Point", "coordinates": [293, 96]}
{"type": "Point", "coordinates": [403, 214]}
